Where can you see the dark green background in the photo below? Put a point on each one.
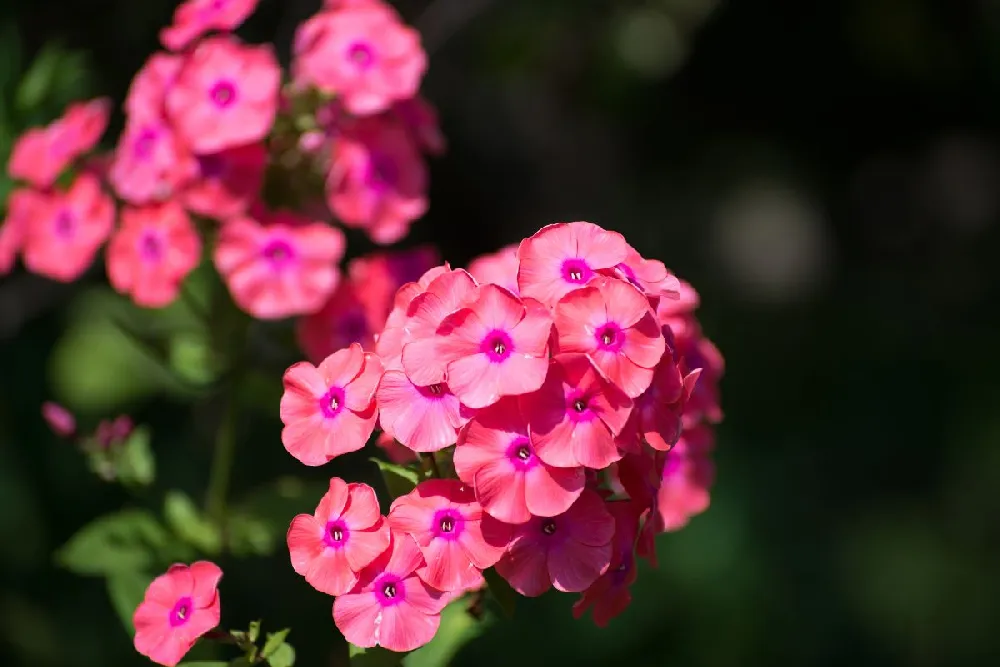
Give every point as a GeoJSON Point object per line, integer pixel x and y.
{"type": "Point", "coordinates": [824, 172]}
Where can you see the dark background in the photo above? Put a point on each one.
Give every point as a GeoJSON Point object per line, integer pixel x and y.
{"type": "Point", "coordinates": [826, 175]}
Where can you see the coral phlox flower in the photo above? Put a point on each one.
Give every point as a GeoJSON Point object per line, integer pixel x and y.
{"type": "Point", "coordinates": [68, 229]}
{"type": "Point", "coordinates": [383, 273]}
{"type": "Point", "coordinates": [499, 268]}
{"type": "Point", "coordinates": [225, 95]}
{"type": "Point", "coordinates": [24, 207]}
{"type": "Point", "coordinates": [344, 535]}
{"type": "Point", "coordinates": [180, 606]}
{"type": "Point", "coordinates": [703, 402]}
{"type": "Point", "coordinates": [226, 183]}
{"type": "Point", "coordinates": [422, 418]}
{"type": "Point", "coordinates": [194, 18]}
{"type": "Point", "coordinates": [609, 596]}
{"type": "Point", "coordinates": [650, 276]}
{"type": "Point", "coordinates": [421, 119]}
{"type": "Point", "coordinates": [656, 415]}
{"type": "Point", "coordinates": [565, 256]}
{"type": "Point", "coordinates": [391, 606]}
{"type": "Point", "coordinates": [147, 94]}
{"type": "Point", "coordinates": [150, 163]}
{"type": "Point", "coordinates": [611, 321]}
{"type": "Point", "coordinates": [456, 538]}
{"type": "Point", "coordinates": [278, 265]}
{"type": "Point", "coordinates": [377, 181]}
{"type": "Point", "coordinates": [151, 253]}
{"type": "Point", "coordinates": [686, 478]}
{"type": "Point", "coordinates": [363, 54]}
{"type": "Point", "coordinates": [497, 346]}
{"type": "Point", "coordinates": [329, 410]}
{"type": "Point", "coordinates": [568, 552]}
{"type": "Point", "coordinates": [340, 322]}
{"type": "Point", "coordinates": [495, 457]}
{"type": "Point", "coordinates": [575, 416]}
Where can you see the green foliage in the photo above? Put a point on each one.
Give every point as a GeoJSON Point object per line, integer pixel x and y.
{"type": "Point", "coordinates": [211, 663]}
{"type": "Point", "coordinates": [127, 541]}
{"type": "Point", "coordinates": [457, 628]}
{"type": "Point", "coordinates": [374, 657]}
{"type": "Point", "coordinates": [135, 464]}
{"type": "Point", "coordinates": [258, 523]}
{"type": "Point", "coordinates": [398, 480]}
{"type": "Point", "coordinates": [126, 589]}
{"type": "Point", "coordinates": [503, 594]}
{"type": "Point", "coordinates": [188, 523]}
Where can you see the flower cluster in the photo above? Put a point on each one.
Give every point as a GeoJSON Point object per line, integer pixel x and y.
{"type": "Point", "coordinates": [219, 155]}
{"type": "Point", "coordinates": [567, 383]}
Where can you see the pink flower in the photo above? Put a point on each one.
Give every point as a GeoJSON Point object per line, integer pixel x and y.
{"type": "Point", "coordinates": [362, 54]}
{"type": "Point", "coordinates": [383, 273]}
{"type": "Point", "coordinates": [648, 275]}
{"type": "Point", "coordinates": [496, 458]}
{"type": "Point", "coordinates": [225, 95]}
{"type": "Point", "coordinates": [25, 208]}
{"type": "Point", "coordinates": [68, 230]}
{"type": "Point", "coordinates": [611, 321]}
{"type": "Point", "coordinates": [575, 416]}
{"type": "Point", "coordinates": [499, 268]}
{"type": "Point", "coordinates": [391, 607]}
{"type": "Point", "coordinates": [686, 478]}
{"type": "Point", "coordinates": [703, 403]}
{"type": "Point", "coordinates": [423, 418]}
{"type": "Point", "coordinates": [569, 551]}
{"type": "Point", "coordinates": [421, 119]}
{"type": "Point", "coordinates": [340, 322]}
{"type": "Point", "coordinates": [565, 256]}
{"type": "Point", "coordinates": [456, 539]}
{"type": "Point", "coordinates": [41, 154]}
{"type": "Point", "coordinates": [180, 606]}
{"type": "Point", "coordinates": [281, 268]}
{"type": "Point", "coordinates": [60, 420]}
{"type": "Point", "coordinates": [147, 95]}
{"type": "Point", "coordinates": [656, 415]}
{"type": "Point", "coordinates": [194, 18]}
{"type": "Point", "coordinates": [329, 410]}
{"type": "Point", "coordinates": [150, 163]}
{"type": "Point", "coordinates": [226, 183]}
{"type": "Point", "coordinates": [609, 596]}
{"type": "Point", "coordinates": [154, 249]}
{"type": "Point", "coordinates": [377, 181]}
{"type": "Point", "coordinates": [345, 534]}
{"type": "Point", "coordinates": [497, 346]}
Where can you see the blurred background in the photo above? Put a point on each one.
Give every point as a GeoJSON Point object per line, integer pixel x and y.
{"type": "Point", "coordinates": [825, 173]}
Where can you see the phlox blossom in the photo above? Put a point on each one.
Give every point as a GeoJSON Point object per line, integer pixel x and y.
{"type": "Point", "coordinates": [495, 457]}
{"type": "Point", "coordinates": [395, 452]}
{"type": "Point", "coordinates": [60, 420]}
{"type": "Point", "coordinates": [497, 346]}
{"type": "Point", "coordinates": [225, 95]}
{"type": "Point", "coordinates": [687, 476]}
{"type": "Point", "coordinates": [194, 18]}
{"type": "Point", "coordinates": [575, 416]}
{"type": "Point", "coordinates": [609, 596]}
{"type": "Point", "coordinates": [611, 321]}
{"type": "Point", "coordinates": [41, 154]}
{"type": "Point", "coordinates": [383, 273]}
{"type": "Point", "coordinates": [226, 183]}
{"type": "Point", "coordinates": [278, 265]}
{"type": "Point", "coordinates": [421, 119]}
{"type": "Point", "coordinates": [377, 181]}
{"type": "Point", "coordinates": [341, 321]}
{"type": "Point", "coordinates": [329, 410]}
{"type": "Point", "coordinates": [391, 606]}
{"type": "Point", "coordinates": [657, 413]}
{"type": "Point", "coordinates": [456, 538]}
{"type": "Point", "coordinates": [422, 418]}
{"type": "Point", "coordinates": [150, 162]}
{"type": "Point", "coordinates": [24, 208]}
{"type": "Point", "coordinates": [564, 256]}
{"type": "Point", "coordinates": [650, 276]}
{"type": "Point", "coordinates": [499, 268]}
{"type": "Point", "coordinates": [147, 94]}
{"type": "Point", "coordinates": [180, 606]}
{"type": "Point", "coordinates": [343, 536]}
{"type": "Point", "coordinates": [363, 54]}
{"type": "Point", "coordinates": [151, 253]}
{"type": "Point", "coordinates": [568, 552]}
{"type": "Point", "coordinates": [68, 229]}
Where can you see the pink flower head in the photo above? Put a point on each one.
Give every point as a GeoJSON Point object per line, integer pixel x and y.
{"type": "Point", "coordinates": [496, 458]}
{"type": "Point", "coordinates": [329, 410]}
{"type": "Point", "coordinates": [609, 596]}
{"type": "Point", "coordinates": [390, 606]}
{"type": "Point", "coordinates": [565, 256]}
{"type": "Point", "coordinates": [363, 54]}
{"type": "Point", "coordinates": [569, 551]}
{"type": "Point", "coordinates": [383, 273]}
{"type": "Point", "coordinates": [423, 418]}
{"type": "Point", "coordinates": [194, 18]}
{"type": "Point", "coordinates": [70, 227]}
{"type": "Point", "coordinates": [687, 476]}
{"type": "Point", "coordinates": [25, 208]}
{"type": "Point", "coordinates": [180, 606]}
{"type": "Point", "coordinates": [60, 420]}
{"type": "Point", "coordinates": [421, 119]}
{"type": "Point", "coordinates": [154, 249]}
{"type": "Point", "coordinates": [499, 268]}
{"type": "Point", "coordinates": [225, 95]}
{"type": "Point", "coordinates": [340, 322]}
{"type": "Point", "coordinates": [378, 181]}
{"type": "Point", "coordinates": [281, 268]}
{"type": "Point", "coordinates": [343, 536]}
{"type": "Point", "coordinates": [149, 163]}
{"type": "Point", "coordinates": [656, 415]}
{"type": "Point", "coordinates": [650, 276]}
{"type": "Point", "coordinates": [456, 539]}
{"type": "Point", "coordinates": [497, 346]}
{"type": "Point", "coordinates": [678, 314]}
{"type": "Point", "coordinates": [226, 183]}
{"type": "Point", "coordinates": [575, 416]}
{"type": "Point", "coordinates": [41, 154]}
{"type": "Point", "coordinates": [611, 321]}
{"type": "Point", "coordinates": [147, 95]}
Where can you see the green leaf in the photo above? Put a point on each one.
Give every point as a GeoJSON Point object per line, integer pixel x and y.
{"type": "Point", "coordinates": [37, 82]}
{"type": "Point", "coordinates": [254, 632]}
{"type": "Point", "coordinates": [398, 480]}
{"type": "Point", "coordinates": [136, 465]}
{"type": "Point", "coordinates": [126, 589]}
{"type": "Point", "coordinates": [457, 629]}
{"type": "Point", "coordinates": [192, 358]}
{"type": "Point", "coordinates": [259, 522]}
{"type": "Point", "coordinates": [241, 661]}
{"type": "Point", "coordinates": [125, 541]}
{"type": "Point", "coordinates": [274, 640]}
{"type": "Point", "coordinates": [505, 596]}
{"type": "Point", "coordinates": [283, 656]}
{"type": "Point", "coordinates": [374, 657]}
{"type": "Point", "coordinates": [210, 663]}
{"type": "Point", "coordinates": [187, 522]}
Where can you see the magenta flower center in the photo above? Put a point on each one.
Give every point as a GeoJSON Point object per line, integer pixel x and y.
{"type": "Point", "coordinates": [332, 402]}
{"type": "Point", "coordinates": [390, 590]}
{"type": "Point", "coordinates": [576, 271]}
{"type": "Point", "coordinates": [223, 93]}
{"type": "Point", "coordinates": [447, 524]}
{"type": "Point", "coordinates": [361, 55]}
{"type": "Point", "coordinates": [578, 407]}
{"type": "Point", "coordinates": [279, 253]}
{"type": "Point", "coordinates": [144, 144]}
{"type": "Point", "coordinates": [609, 337]}
{"type": "Point", "coordinates": [336, 534]}
{"type": "Point", "coordinates": [497, 345]}
{"type": "Point", "coordinates": [521, 455]}
{"type": "Point", "coordinates": [549, 527]}
{"type": "Point", "coordinates": [151, 247]}
{"type": "Point", "coordinates": [433, 391]}
{"type": "Point", "coordinates": [65, 224]}
{"type": "Point", "coordinates": [181, 613]}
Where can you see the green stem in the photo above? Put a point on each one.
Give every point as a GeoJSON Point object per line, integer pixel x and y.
{"type": "Point", "coordinates": [222, 463]}
{"type": "Point", "coordinates": [431, 460]}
